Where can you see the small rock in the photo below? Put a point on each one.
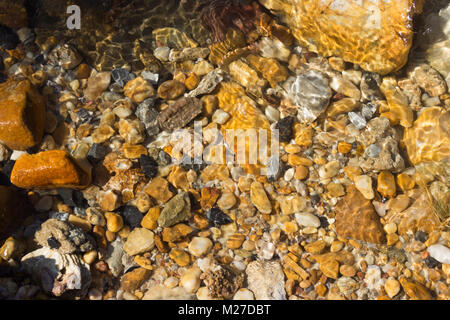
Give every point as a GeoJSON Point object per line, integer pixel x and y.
{"type": "Point", "coordinates": [158, 188]}
{"type": "Point", "coordinates": [22, 115]}
{"type": "Point", "coordinates": [428, 79]}
{"type": "Point", "coordinates": [139, 89]}
{"type": "Point", "coordinates": [207, 84]}
{"type": "Point", "coordinates": [131, 281]}
{"type": "Point", "coordinates": [96, 153]}
{"type": "Point", "coordinates": [217, 218]}
{"type": "Point", "coordinates": [306, 219]}
{"type": "Point", "coordinates": [439, 252]}
{"type": "Point", "coordinates": [226, 201]}
{"type": "Point", "coordinates": [266, 280]}
{"type": "Point", "coordinates": [179, 114]}
{"type": "Point", "coordinates": [190, 280]}
{"type": "Point", "coordinates": [414, 290]}
{"type": "Point", "coordinates": [162, 53]}
{"type": "Point", "coordinates": [171, 89]}
{"type": "Point", "coordinates": [220, 116]}
{"type": "Point", "coordinates": [392, 287]}
{"type": "Point", "coordinates": [285, 128]}
{"type": "Point", "coordinates": [140, 240]}
{"type": "Point", "coordinates": [291, 204]}
{"type": "Point", "coordinates": [132, 215]}
{"type": "Point", "coordinates": [97, 84]}
{"type": "Point", "coordinates": [329, 170]}
{"type": "Point", "coordinates": [114, 221]}
{"type": "Point", "coordinates": [386, 184]}
{"type": "Point", "coordinates": [358, 121]}
{"type": "Point", "coordinates": [178, 209]}
{"type": "Point", "coordinates": [200, 246]}
{"type": "Point", "coordinates": [311, 93]}
{"type": "Point", "coordinates": [108, 200]}
{"type": "Point", "coordinates": [259, 198]}
{"type": "Point", "coordinates": [244, 294]}
{"type": "Point", "coordinates": [364, 185]}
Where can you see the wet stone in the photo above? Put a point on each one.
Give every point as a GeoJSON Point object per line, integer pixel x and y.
{"type": "Point", "coordinates": [148, 116]}
{"type": "Point", "coordinates": [358, 121]}
{"type": "Point", "coordinates": [149, 166]}
{"type": "Point", "coordinates": [285, 128]}
{"type": "Point", "coordinates": [96, 153]}
{"type": "Point", "coordinates": [217, 217]}
{"type": "Point", "coordinates": [373, 151]}
{"type": "Point", "coordinates": [178, 209]}
{"type": "Point", "coordinates": [132, 216]}
{"type": "Point", "coordinates": [121, 76]}
{"type": "Point", "coordinates": [179, 114]}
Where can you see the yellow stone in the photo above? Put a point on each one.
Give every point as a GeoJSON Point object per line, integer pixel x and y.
{"type": "Point", "coordinates": [138, 89]}
{"type": "Point", "coordinates": [80, 222]}
{"type": "Point", "coordinates": [133, 151]}
{"type": "Point", "coordinates": [192, 81]}
{"type": "Point", "coordinates": [316, 247]}
{"type": "Point", "coordinates": [405, 182]}
{"type": "Point", "coordinates": [181, 257]}
{"type": "Point", "coordinates": [386, 184]}
{"type": "Point", "coordinates": [301, 172]}
{"type": "Point", "coordinates": [114, 221]}
{"type": "Point", "coordinates": [235, 241]}
{"type": "Point", "coordinates": [344, 147]}
{"type": "Point", "coordinates": [347, 28]}
{"type": "Point", "coordinates": [178, 178]}
{"type": "Point", "coordinates": [303, 135]}
{"type": "Point", "coordinates": [415, 290]}
{"type": "Point", "coordinates": [398, 102]}
{"type": "Point", "coordinates": [150, 220]}
{"type": "Point", "coordinates": [342, 106]}
{"type": "Point", "coordinates": [296, 160]}
{"type": "Point", "coordinates": [270, 69]}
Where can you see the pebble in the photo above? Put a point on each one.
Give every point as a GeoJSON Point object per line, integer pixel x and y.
{"type": "Point", "coordinates": [150, 220]}
{"type": "Point", "coordinates": [22, 115]}
{"type": "Point", "coordinates": [139, 89]}
{"type": "Point", "coordinates": [90, 257]}
{"type": "Point", "coordinates": [390, 228]}
{"type": "Point", "coordinates": [301, 172]}
{"type": "Point", "coordinates": [226, 201]}
{"type": "Point", "coordinates": [97, 84]}
{"type": "Point", "coordinates": [266, 280]}
{"type": "Point", "coordinates": [386, 184]}
{"type": "Point", "coordinates": [307, 219]}
{"type": "Point", "coordinates": [199, 246]}
{"type": "Point", "coordinates": [439, 252]}
{"type": "Point", "coordinates": [220, 116]}
{"type": "Point", "coordinates": [310, 91]}
{"type": "Point", "coordinates": [217, 218]}
{"type": "Point", "coordinates": [347, 271]}
{"type": "Point", "coordinates": [392, 287]}
{"type": "Point", "coordinates": [259, 198]}
{"type": "Point", "coordinates": [181, 257]}
{"type": "Point", "coordinates": [140, 240]}
{"type": "Point", "coordinates": [272, 114]}
{"type": "Point", "coordinates": [405, 182]}
{"type": "Point", "coordinates": [329, 170]}
{"type": "Point", "coordinates": [108, 200]}
{"type": "Point", "coordinates": [190, 280]}
{"type": "Point", "coordinates": [171, 89]}
{"type": "Point", "coordinates": [162, 53]}
{"type": "Point", "coordinates": [358, 121]}
{"type": "Point", "coordinates": [158, 189]}
{"type": "Point", "coordinates": [178, 209]}
{"type": "Point", "coordinates": [364, 185]}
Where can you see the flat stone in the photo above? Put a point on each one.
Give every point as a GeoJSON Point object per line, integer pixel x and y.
{"type": "Point", "coordinates": [364, 185]}
{"type": "Point", "coordinates": [22, 115]}
{"type": "Point", "coordinates": [158, 188]}
{"type": "Point", "coordinates": [415, 290]}
{"type": "Point", "coordinates": [47, 170]}
{"type": "Point", "coordinates": [97, 84]}
{"type": "Point", "coordinates": [307, 219]}
{"type": "Point", "coordinates": [386, 184]}
{"type": "Point", "coordinates": [392, 287]}
{"type": "Point", "coordinates": [132, 280]}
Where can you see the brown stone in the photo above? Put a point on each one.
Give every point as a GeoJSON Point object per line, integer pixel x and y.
{"type": "Point", "coordinates": [22, 115]}
{"type": "Point", "coordinates": [150, 220]}
{"type": "Point", "coordinates": [386, 184]}
{"type": "Point", "coordinates": [132, 280]}
{"type": "Point", "coordinates": [158, 188]}
{"type": "Point", "coordinates": [209, 197]}
{"type": "Point", "coordinates": [171, 89]}
{"type": "Point", "coordinates": [139, 89]}
{"type": "Point", "coordinates": [347, 28]}
{"type": "Point", "coordinates": [357, 219]}
{"type": "Point", "coordinates": [415, 290]}
{"type": "Point", "coordinates": [47, 170]}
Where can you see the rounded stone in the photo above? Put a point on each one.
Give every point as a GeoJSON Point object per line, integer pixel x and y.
{"type": "Point", "coordinates": [200, 246]}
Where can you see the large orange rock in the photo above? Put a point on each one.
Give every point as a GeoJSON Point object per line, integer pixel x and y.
{"type": "Point", "coordinates": [22, 114]}
{"type": "Point", "coordinates": [429, 139]}
{"type": "Point", "coordinates": [377, 34]}
{"type": "Point", "coordinates": [48, 169]}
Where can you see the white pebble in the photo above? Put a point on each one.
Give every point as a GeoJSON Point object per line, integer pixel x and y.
{"type": "Point", "coordinates": [289, 174]}
{"type": "Point", "coordinates": [439, 252]}
{"type": "Point", "coordinates": [220, 116]}
{"type": "Point", "coordinates": [200, 246]}
{"type": "Point", "coordinates": [190, 280]}
{"type": "Point", "coordinates": [16, 154]}
{"type": "Point", "coordinates": [306, 219]}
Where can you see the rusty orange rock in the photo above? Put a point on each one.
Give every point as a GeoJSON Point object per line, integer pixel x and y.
{"type": "Point", "coordinates": [377, 35]}
{"type": "Point", "coordinates": [22, 115]}
{"type": "Point", "coordinates": [48, 169]}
